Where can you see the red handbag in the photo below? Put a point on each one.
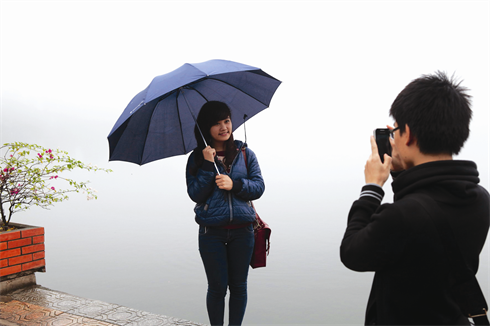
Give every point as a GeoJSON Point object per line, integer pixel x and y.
{"type": "Point", "coordinates": [262, 234]}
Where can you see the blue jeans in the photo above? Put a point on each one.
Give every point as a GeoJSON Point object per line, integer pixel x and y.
{"type": "Point", "coordinates": [226, 255]}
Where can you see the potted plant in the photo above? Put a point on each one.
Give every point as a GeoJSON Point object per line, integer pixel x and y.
{"type": "Point", "coordinates": [30, 175]}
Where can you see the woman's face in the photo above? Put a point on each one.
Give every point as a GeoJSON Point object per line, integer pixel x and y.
{"type": "Point", "coordinates": [221, 130]}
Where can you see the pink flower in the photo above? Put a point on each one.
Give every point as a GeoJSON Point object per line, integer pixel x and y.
{"type": "Point", "coordinates": [54, 177]}
{"type": "Point", "coordinates": [39, 154]}
{"type": "Point", "coordinates": [52, 188]}
{"type": "Point", "coordinates": [49, 151]}
{"type": "Point", "coordinates": [14, 191]}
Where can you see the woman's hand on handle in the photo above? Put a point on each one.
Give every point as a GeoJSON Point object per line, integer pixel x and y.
{"type": "Point", "coordinates": [209, 153]}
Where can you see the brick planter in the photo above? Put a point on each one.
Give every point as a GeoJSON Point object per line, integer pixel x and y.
{"type": "Point", "coordinates": [22, 251]}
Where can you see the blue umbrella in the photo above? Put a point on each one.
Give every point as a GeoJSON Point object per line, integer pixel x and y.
{"type": "Point", "coordinates": [159, 121]}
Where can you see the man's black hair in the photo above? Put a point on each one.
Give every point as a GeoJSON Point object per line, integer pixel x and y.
{"type": "Point", "coordinates": [437, 110]}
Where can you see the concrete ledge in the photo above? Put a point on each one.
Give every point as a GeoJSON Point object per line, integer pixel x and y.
{"type": "Point", "coordinates": [10, 285]}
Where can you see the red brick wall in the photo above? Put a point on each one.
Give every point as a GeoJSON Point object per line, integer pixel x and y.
{"type": "Point", "coordinates": [21, 250]}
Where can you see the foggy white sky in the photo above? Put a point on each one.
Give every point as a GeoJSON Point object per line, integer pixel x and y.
{"type": "Point", "coordinates": [69, 68]}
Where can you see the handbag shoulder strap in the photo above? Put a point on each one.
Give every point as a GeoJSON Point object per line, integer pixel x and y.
{"type": "Point", "coordinates": [469, 294]}
{"type": "Point", "coordinates": [245, 157]}
{"type": "Point", "coordinates": [246, 165]}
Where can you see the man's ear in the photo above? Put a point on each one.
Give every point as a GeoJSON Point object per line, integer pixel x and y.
{"type": "Point", "coordinates": [410, 139]}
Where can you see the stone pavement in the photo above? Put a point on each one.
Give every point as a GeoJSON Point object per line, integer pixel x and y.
{"type": "Point", "coordinates": [40, 306]}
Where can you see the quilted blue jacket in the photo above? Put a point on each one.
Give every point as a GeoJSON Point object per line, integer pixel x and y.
{"type": "Point", "coordinates": [217, 207]}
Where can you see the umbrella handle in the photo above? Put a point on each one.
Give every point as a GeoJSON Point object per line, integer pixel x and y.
{"type": "Point", "coordinates": [216, 167]}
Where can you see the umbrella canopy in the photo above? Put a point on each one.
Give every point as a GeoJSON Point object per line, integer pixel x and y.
{"type": "Point", "coordinates": [159, 121]}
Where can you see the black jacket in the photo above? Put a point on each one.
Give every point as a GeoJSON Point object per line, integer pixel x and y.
{"type": "Point", "coordinates": [401, 243]}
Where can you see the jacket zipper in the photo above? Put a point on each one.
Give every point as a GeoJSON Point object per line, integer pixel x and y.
{"type": "Point", "coordinates": [231, 207]}
{"type": "Point", "coordinates": [229, 192]}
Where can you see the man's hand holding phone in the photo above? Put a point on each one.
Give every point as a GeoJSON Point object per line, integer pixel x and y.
{"type": "Point", "coordinates": [376, 171]}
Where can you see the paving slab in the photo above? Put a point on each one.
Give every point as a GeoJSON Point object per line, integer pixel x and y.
{"type": "Point", "coordinates": [41, 306]}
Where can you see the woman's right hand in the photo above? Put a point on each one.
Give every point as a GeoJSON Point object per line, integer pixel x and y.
{"type": "Point", "coordinates": [209, 153]}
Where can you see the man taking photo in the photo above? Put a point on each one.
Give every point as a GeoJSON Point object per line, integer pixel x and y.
{"type": "Point", "coordinates": [424, 247]}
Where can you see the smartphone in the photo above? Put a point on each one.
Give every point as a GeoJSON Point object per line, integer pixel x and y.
{"type": "Point", "coordinates": [382, 136]}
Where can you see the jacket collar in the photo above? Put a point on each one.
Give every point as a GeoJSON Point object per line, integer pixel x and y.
{"type": "Point", "coordinates": [448, 174]}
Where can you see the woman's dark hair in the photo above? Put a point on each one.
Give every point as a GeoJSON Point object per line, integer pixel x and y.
{"type": "Point", "coordinates": [212, 112]}
{"type": "Point", "coordinates": [437, 110]}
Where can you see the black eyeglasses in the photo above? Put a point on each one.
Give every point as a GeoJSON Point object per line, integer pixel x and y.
{"type": "Point", "coordinates": [392, 132]}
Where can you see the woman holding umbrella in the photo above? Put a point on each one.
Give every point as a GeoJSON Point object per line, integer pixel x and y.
{"type": "Point", "coordinates": [223, 209]}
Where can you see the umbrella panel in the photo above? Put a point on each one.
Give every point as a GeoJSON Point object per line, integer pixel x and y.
{"type": "Point", "coordinates": [171, 130]}
{"type": "Point", "coordinates": [239, 103]}
{"type": "Point", "coordinates": [248, 83]}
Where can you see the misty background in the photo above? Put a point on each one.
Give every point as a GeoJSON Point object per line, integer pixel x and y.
{"type": "Point", "coordinates": [69, 68]}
